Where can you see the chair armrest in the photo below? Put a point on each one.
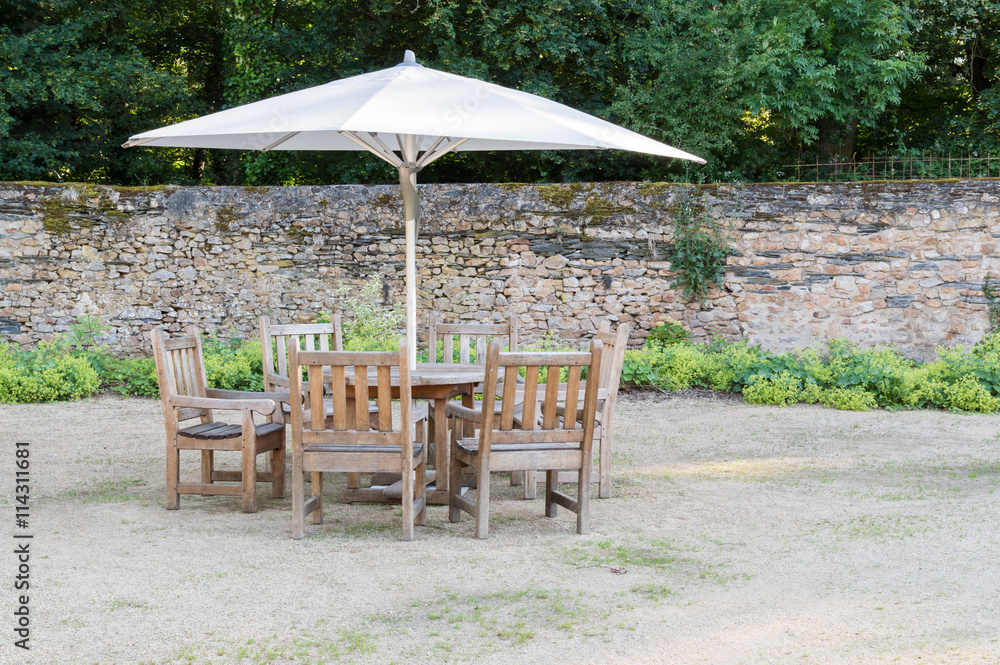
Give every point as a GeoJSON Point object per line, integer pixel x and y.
{"type": "Point", "coordinates": [278, 380]}
{"type": "Point", "coordinates": [261, 406]}
{"type": "Point", "coordinates": [280, 397]}
{"type": "Point", "coordinates": [454, 410]}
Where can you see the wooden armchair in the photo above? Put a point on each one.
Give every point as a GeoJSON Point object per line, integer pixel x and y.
{"type": "Point", "coordinates": [322, 441]}
{"type": "Point", "coordinates": [521, 439]}
{"type": "Point", "coordinates": [615, 344]}
{"type": "Point", "coordinates": [180, 371]}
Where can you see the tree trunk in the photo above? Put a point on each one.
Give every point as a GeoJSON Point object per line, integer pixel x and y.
{"type": "Point", "coordinates": [836, 139]}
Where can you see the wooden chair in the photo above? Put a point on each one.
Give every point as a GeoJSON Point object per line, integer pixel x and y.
{"type": "Point", "coordinates": [180, 371]}
{"type": "Point", "coordinates": [519, 440]}
{"type": "Point", "coordinates": [615, 344]}
{"type": "Point", "coordinates": [321, 444]}
{"type": "Point", "coordinates": [468, 334]}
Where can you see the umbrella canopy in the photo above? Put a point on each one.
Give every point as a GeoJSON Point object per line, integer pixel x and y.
{"type": "Point", "coordinates": [420, 113]}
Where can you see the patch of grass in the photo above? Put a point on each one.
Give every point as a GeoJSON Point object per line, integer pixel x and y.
{"type": "Point", "coordinates": [118, 490]}
{"type": "Point", "coordinates": [345, 645]}
{"type": "Point", "coordinates": [652, 591]}
{"type": "Point", "coordinates": [516, 633]}
{"type": "Point", "coordinates": [123, 603]}
{"type": "Point", "coordinates": [879, 527]}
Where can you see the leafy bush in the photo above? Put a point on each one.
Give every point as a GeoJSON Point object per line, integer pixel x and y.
{"type": "Point", "coordinates": [849, 399]}
{"type": "Point", "coordinates": [841, 375]}
{"type": "Point", "coordinates": [46, 374]}
{"type": "Point", "coordinates": [968, 394]}
{"type": "Point", "coordinates": [780, 390]}
{"type": "Point", "coordinates": [233, 364]}
{"type": "Point", "coordinates": [132, 377]}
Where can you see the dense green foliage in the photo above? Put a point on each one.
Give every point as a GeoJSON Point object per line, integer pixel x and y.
{"type": "Point", "coordinates": [749, 85]}
{"type": "Point", "coordinates": [840, 375]}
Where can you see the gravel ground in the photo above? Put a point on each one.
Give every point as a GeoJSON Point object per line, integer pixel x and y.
{"type": "Point", "coordinates": [736, 534]}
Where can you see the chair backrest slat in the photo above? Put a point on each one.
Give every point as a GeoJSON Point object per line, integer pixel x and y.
{"type": "Point", "coordinates": [383, 400]}
{"type": "Point", "coordinates": [361, 397]}
{"type": "Point", "coordinates": [317, 407]}
{"type": "Point", "coordinates": [551, 397]}
{"type": "Point", "coordinates": [572, 396]}
{"type": "Point", "coordinates": [338, 394]}
{"type": "Point", "coordinates": [530, 397]}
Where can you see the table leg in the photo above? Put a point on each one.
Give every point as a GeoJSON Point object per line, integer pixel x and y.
{"type": "Point", "coordinates": [353, 478]}
{"type": "Point", "coordinates": [442, 447]}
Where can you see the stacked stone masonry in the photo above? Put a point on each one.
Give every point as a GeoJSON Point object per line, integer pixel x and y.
{"type": "Point", "coordinates": [880, 263]}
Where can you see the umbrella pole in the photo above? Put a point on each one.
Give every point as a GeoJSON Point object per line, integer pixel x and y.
{"type": "Point", "coordinates": [411, 213]}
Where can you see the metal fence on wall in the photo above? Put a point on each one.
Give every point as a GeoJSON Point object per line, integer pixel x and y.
{"type": "Point", "coordinates": [922, 166]}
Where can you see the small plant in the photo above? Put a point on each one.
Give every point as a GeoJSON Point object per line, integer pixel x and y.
{"type": "Point", "coordinates": [84, 334]}
{"type": "Point", "coordinates": [700, 250]}
{"type": "Point", "coordinates": [668, 332]}
{"type": "Point", "coordinates": [992, 304]}
{"type": "Point", "coordinates": [371, 323]}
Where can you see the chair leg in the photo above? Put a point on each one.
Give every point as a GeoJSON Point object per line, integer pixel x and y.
{"type": "Point", "coordinates": [551, 485]}
{"type": "Point", "coordinates": [407, 482]}
{"type": "Point", "coordinates": [516, 478]}
{"type": "Point", "coordinates": [583, 501]}
{"type": "Point", "coordinates": [317, 491]}
{"type": "Point", "coordinates": [605, 467]}
{"type": "Point", "coordinates": [483, 503]}
{"type": "Point", "coordinates": [530, 484]}
{"type": "Point", "coordinates": [454, 486]}
{"type": "Point", "coordinates": [298, 498]}
{"type": "Point", "coordinates": [420, 490]}
{"type": "Point", "coordinates": [278, 471]}
{"type": "Point", "coordinates": [207, 466]}
{"type": "Point", "coordinates": [173, 475]}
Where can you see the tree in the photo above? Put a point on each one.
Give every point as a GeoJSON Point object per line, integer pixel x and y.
{"type": "Point", "coordinates": [824, 68]}
{"type": "Point", "coordinates": [74, 86]}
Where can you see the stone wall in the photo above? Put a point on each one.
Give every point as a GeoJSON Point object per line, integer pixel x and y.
{"type": "Point", "coordinates": [898, 262]}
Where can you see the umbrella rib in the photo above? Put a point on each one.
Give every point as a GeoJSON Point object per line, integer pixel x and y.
{"type": "Point", "coordinates": [131, 143]}
{"type": "Point", "coordinates": [421, 162]}
{"type": "Point", "coordinates": [375, 138]}
{"type": "Point", "coordinates": [387, 156]}
{"type": "Point", "coordinates": [284, 138]}
{"type": "Point", "coordinates": [425, 160]}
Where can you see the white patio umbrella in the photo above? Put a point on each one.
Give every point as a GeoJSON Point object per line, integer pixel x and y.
{"type": "Point", "coordinates": [409, 115]}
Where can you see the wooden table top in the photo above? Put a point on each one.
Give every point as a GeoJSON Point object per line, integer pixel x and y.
{"type": "Point", "coordinates": [432, 374]}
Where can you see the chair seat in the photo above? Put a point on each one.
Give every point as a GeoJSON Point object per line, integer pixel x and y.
{"type": "Point", "coordinates": [216, 431]}
{"type": "Point", "coordinates": [360, 448]}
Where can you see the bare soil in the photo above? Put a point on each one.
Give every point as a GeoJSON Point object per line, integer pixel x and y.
{"type": "Point", "coordinates": [736, 534]}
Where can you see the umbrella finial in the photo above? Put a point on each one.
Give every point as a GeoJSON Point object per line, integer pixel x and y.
{"type": "Point", "coordinates": [409, 58]}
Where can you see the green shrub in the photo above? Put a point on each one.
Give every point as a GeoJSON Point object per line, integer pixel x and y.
{"type": "Point", "coordinates": [879, 372]}
{"type": "Point", "coordinates": [849, 399]}
{"type": "Point", "coordinates": [780, 390]}
{"type": "Point", "coordinates": [233, 364]}
{"type": "Point", "coordinates": [968, 394]}
{"type": "Point", "coordinates": [45, 374]}
{"type": "Point", "coordinates": [133, 377]}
